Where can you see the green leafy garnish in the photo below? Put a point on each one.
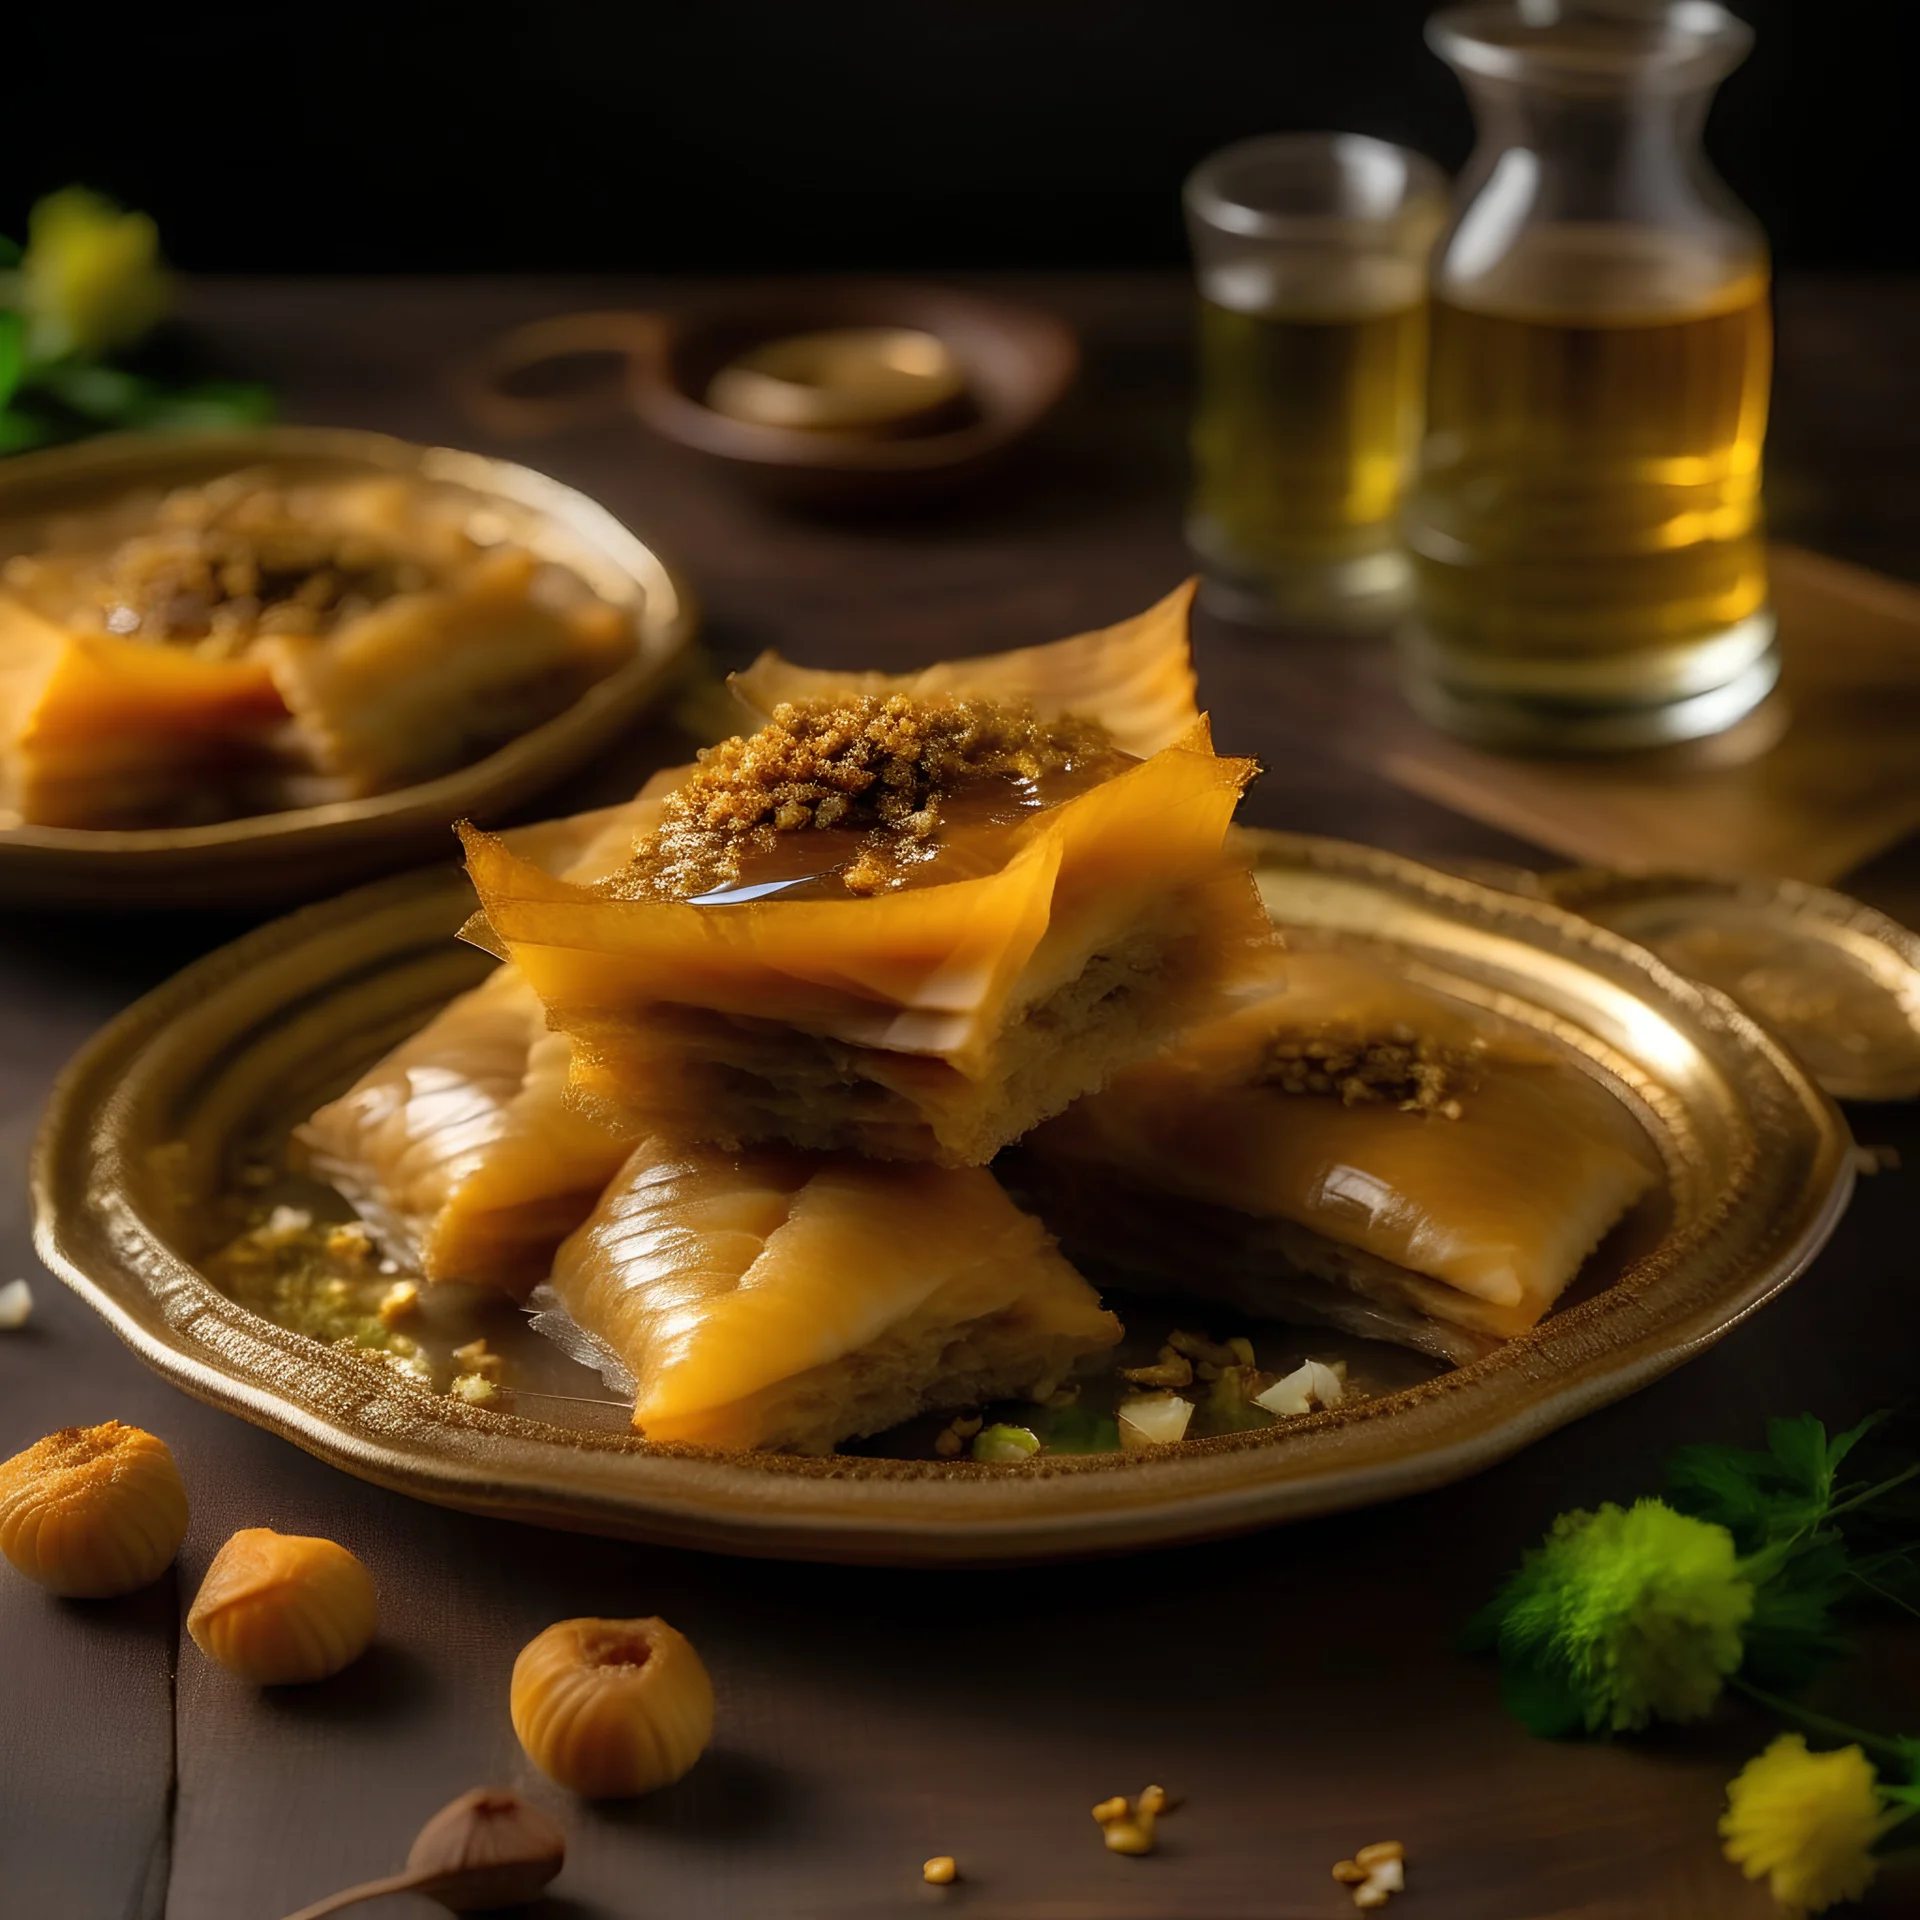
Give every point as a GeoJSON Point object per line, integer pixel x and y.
{"type": "Point", "coordinates": [1623, 1617]}
{"type": "Point", "coordinates": [88, 287]}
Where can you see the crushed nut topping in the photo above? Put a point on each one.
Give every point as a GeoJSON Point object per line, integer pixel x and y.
{"type": "Point", "coordinates": [879, 767]}
{"type": "Point", "coordinates": [225, 563]}
{"type": "Point", "coordinates": [1415, 1073]}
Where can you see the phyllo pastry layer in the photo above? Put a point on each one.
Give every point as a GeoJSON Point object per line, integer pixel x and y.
{"type": "Point", "coordinates": [1352, 1147]}
{"type": "Point", "coordinates": [908, 926]}
{"type": "Point", "coordinates": [1135, 678]}
{"type": "Point", "coordinates": [460, 1148]}
{"type": "Point", "coordinates": [781, 1299]}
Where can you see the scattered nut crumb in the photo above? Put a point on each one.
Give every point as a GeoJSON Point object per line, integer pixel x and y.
{"type": "Point", "coordinates": [350, 1241]}
{"type": "Point", "coordinates": [398, 1302]}
{"type": "Point", "coordinates": [1311, 1384]}
{"type": "Point", "coordinates": [1196, 1346]}
{"type": "Point", "coordinates": [474, 1388]}
{"type": "Point", "coordinates": [283, 1226]}
{"type": "Point", "coordinates": [477, 1357]}
{"type": "Point", "coordinates": [953, 1437]}
{"type": "Point", "coordinates": [940, 1871]}
{"type": "Point", "coordinates": [1375, 1873]}
{"type": "Point", "coordinates": [1173, 1369]}
{"type": "Point", "coordinates": [1128, 1825]}
{"type": "Point", "coordinates": [1872, 1160]}
{"type": "Point", "coordinates": [16, 1306]}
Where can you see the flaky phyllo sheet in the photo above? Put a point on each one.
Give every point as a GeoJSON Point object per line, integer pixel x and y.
{"type": "Point", "coordinates": [257, 643]}
{"type": "Point", "coordinates": [782, 1299]}
{"type": "Point", "coordinates": [1352, 1148]}
{"type": "Point", "coordinates": [460, 1148]}
{"type": "Point", "coordinates": [932, 1021]}
{"type": "Point", "coordinates": [1135, 678]}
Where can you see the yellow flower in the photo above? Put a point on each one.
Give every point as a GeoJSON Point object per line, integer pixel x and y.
{"type": "Point", "coordinates": [91, 279]}
{"type": "Point", "coordinates": [1806, 1822]}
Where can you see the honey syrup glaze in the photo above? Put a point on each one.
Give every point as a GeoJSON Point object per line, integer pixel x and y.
{"type": "Point", "coordinates": [978, 828]}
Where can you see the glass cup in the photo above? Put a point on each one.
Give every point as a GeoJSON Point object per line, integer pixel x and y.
{"type": "Point", "coordinates": [1585, 527]}
{"type": "Point", "coordinates": [1311, 255]}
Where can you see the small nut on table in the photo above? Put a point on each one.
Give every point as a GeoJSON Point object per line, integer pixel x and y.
{"type": "Point", "coordinates": [90, 1512]}
{"type": "Point", "coordinates": [284, 1609]}
{"type": "Point", "coordinates": [940, 1871]}
{"type": "Point", "coordinates": [612, 1708]}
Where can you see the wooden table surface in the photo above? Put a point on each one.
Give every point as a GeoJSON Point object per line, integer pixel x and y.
{"type": "Point", "coordinates": [1303, 1687]}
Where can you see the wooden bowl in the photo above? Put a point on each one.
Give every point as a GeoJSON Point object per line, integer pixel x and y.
{"type": "Point", "coordinates": [1018, 364]}
{"type": "Point", "coordinates": [275, 859]}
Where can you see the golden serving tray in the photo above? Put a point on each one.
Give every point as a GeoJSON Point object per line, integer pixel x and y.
{"type": "Point", "coordinates": [150, 1118]}
{"type": "Point", "coordinates": [306, 852]}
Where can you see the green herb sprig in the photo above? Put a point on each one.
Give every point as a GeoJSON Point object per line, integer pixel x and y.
{"type": "Point", "coordinates": [1627, 1616]}
{"type": "Point", "coordinates": [87, 289]}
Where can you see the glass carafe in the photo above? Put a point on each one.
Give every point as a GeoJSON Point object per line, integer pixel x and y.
{"type": "Point", "coordinates": [1585, 524]}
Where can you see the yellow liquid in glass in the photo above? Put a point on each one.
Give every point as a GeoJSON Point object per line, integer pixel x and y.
{"type": "Point", "coordinates": [1308, 421]}
{"type": "Point", "coordinates": [1590, 486]}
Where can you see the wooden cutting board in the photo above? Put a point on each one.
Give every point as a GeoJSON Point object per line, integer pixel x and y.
{"type": "Point", "coordinates": [1822, 777]}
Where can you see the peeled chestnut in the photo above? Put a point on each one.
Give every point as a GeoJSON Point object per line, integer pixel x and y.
{"type": "Point", "coordinates": [93, 1511]}
{"type": "Point", "coordinates": [612, 1708]}
{"type": "Point", "coordinates": [283, 1608]}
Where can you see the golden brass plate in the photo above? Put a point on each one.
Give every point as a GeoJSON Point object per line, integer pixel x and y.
{"type": "Point", "coordinates": [1837, 981]}
{"type": "Point", "coordinates": [306, 852]}
{"type": "Point", "coordinates": [1758, 1161]}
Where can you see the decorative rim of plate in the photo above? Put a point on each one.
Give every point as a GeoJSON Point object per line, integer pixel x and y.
{"type": "Point", "coordinates": [1758, 1206]}
{"type": "Point", "coordinates": [1878, 946]}
{"type": "Point", "coordinates": [625, 569]}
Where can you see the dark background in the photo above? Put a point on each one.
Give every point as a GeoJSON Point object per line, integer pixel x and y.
{"type": "Point", "coordinates": [751, 134]}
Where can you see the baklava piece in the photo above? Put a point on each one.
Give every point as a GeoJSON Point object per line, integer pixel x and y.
{"type": "Point", "coordinates": [255, 643]}
{"type": "Point", "coordinates": [906, 926]}
{"type": "Point", "coordinates": [1344, 1146]}
{"type": "Point", "coordinates": [780, 1299]}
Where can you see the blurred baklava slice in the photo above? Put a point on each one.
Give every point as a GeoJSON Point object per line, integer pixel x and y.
{"type": "Point", "coordinates": [259, 642]}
